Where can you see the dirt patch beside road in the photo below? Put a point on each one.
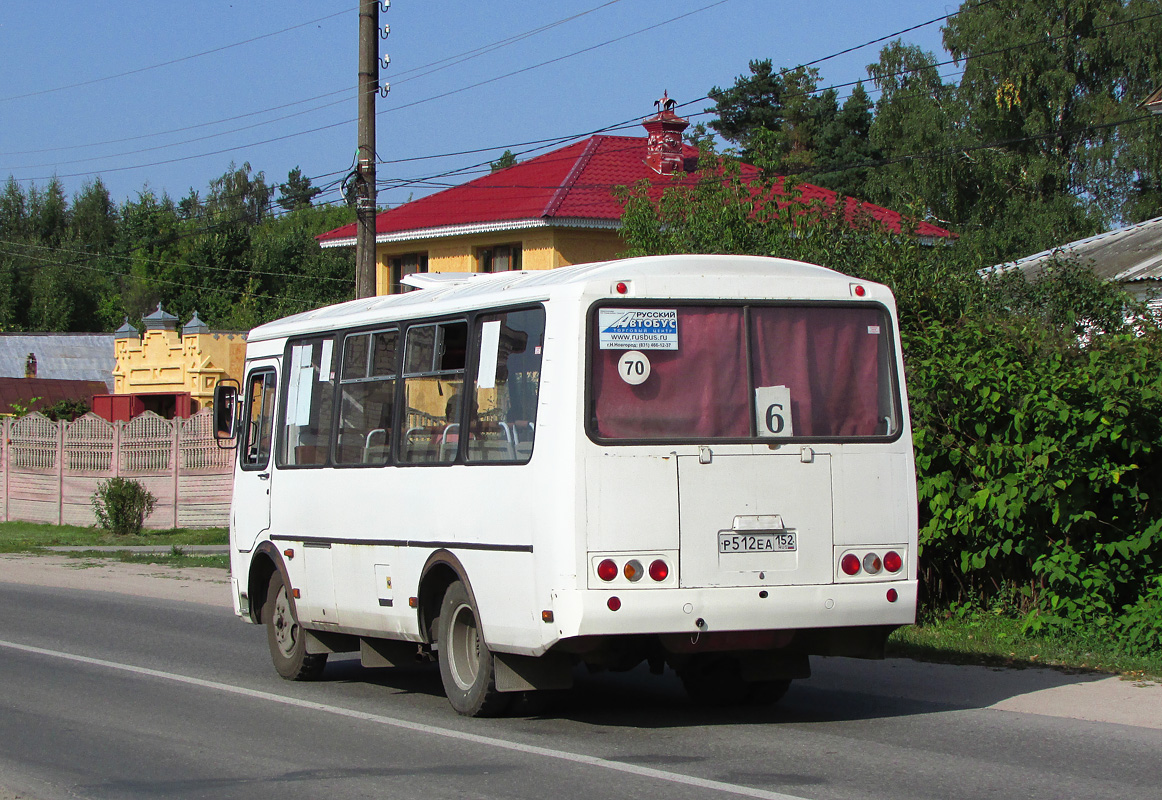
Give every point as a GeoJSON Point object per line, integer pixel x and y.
{"type": "Point", "coordinates": [205, 585]}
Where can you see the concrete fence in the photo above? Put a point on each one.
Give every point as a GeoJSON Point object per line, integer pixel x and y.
{"type": "Point", "coordinates": [50, 470]}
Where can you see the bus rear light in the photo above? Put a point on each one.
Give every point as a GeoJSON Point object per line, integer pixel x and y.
{"type": "Point", "coordinates": [659, 570]}
{"type": "Point", "coordinates": [872, 564]}
{"type": "Point", "coordinates": [850, 564]}
{"type": "Point", "coordinates": [893, 595]}
{"type": "Point", "coordinates": [633, 570]}
{"type": "Point", "coordinates": [893, 561]}
{"type": "Point", "coordinates": [614, 603]}
{"type": "Point", "coordinates": [607, 570]}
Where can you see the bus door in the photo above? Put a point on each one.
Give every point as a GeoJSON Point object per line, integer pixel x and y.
{"type": "Point", "coordinates": [755, 520]}
{"type": "Point", "coordinates": [251, 504]}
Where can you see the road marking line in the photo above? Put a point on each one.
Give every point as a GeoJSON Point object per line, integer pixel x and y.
{"type": "Point", "coordinates": [417, 727]}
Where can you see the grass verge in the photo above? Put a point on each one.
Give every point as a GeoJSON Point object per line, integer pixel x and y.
{"type": "Point", "coordinates": [26, 537]}
{"type": "Point", "coordinates": [174, 558]}
{"type": "Point", "coordinates": [990, 639]}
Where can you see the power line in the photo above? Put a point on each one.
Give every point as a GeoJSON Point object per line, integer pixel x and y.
{"type": "Point", "coordinates": [171, 62]}
{"type": "Point", "coordinates": [159, 262]}
{"type": "Point", "coordinates": [50, 262]}
{"type": "Point", "coordinates": [438, 65]}
{"type": "Point", "coordinates": [394, 109]}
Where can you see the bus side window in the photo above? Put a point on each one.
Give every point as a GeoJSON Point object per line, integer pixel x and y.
{"type": "Point", "coordinates": [433, 376]}
{"type": "Point", "coordinates": [507, 378]}
{"type": "Point", "coordinates": [259, 420]}
{"type": "Point", "coordinates": [310, 400]}
{"type": "Point", "coordinates": [366, 398]}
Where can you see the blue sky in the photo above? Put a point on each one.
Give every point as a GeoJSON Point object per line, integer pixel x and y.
{"type": "Point", "coordinates": [167, 95]}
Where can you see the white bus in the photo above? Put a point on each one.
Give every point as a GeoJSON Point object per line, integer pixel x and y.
{"type": "Point", "coordinates": [701, 462]}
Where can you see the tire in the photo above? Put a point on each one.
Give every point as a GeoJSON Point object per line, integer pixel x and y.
{"type": "Point", "coordinates": [288, 647]}
{"type": "Point", "coordinates": [717, 681]}
{"type": "Point", "coordinates": [467, 668]}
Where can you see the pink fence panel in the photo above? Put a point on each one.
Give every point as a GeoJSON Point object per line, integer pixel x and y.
{"type": "Point", "coordinates": [49, 471]}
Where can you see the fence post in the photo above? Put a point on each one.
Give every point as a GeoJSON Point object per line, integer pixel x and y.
{"type": "Point", "coordinates": [6, 444]}
{"type": "Point", "coordinates": [116, 465]}
{"type": "Point", "coordinates": [60, 472]}
{"type": "Point", "coordinates": [176, 462]}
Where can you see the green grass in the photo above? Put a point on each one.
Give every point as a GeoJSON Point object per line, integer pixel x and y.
{"type": "Point", "coordinates": [174, 558]}
{"type": "Point", "coordinates": [987, 638]}
{"type": "Point", "coordinates": [29, 537]}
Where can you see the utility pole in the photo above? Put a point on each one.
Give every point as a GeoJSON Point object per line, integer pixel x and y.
{"type": "Point", "coordinates": [365, 166]}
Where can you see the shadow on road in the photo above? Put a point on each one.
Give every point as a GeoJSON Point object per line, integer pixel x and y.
{"type": "Point", "coordinates": [839, 689]}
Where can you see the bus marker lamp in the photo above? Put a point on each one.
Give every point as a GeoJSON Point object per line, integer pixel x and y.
{"type": "Point", "coordinates": [288, 553]}
{"type": "Point", "coordinates": [633, 570]}
{"type": "Point", "coordinates": [659, 570]}
{"type": "Point", "coordinates": [893, 595]}
{"type": "Point", "coordinates": [547, 615]}
{"type": "Point", "coordinates": [622, 287]}
{"type": "Point", "coordinates": [614, 603]}
{"type": "Point", "coordinates": [607, 570]}
{"type": "Point", "coordinates": [893, 561]}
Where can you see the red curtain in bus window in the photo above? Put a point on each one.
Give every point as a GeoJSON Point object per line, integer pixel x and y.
{"type": "Point", "coordinates": [829, 358]}
{"type": "Point", "coordinates": [698, 391]}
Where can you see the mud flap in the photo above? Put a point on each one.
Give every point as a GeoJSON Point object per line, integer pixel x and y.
{"type": "Point", "coordinates": [529, 674]}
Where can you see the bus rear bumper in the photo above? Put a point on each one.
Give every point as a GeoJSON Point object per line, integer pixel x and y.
{"type": "Point", "coordinates": [709, 610]}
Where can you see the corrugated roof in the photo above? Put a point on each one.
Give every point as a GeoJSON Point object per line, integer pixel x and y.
{"type": "Point", "coordinates": [572, 186]}
{"type": "Point", "coordinates": [64, 356]}
{"type": "Point", "coordinates": [1125, 255]}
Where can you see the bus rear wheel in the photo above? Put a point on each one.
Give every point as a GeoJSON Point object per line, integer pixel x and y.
{"type": "Point", "coordinates": [288, 646]}
{"type": "Point", "coordinates": [467, 668]}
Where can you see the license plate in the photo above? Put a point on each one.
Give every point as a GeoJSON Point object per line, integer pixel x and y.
{"type": "Point", "coordinates": [733, 542]}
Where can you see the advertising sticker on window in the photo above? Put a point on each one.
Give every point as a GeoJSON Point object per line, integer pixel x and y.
{"type": "Point", "coordinates": [637, 328]}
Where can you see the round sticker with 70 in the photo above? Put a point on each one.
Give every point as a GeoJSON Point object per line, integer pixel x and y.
{"type": "Point", "coordinates": [633, 367]}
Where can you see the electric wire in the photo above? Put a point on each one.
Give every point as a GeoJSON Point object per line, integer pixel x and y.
{"type": "Point", "coordinates": [171, 62]}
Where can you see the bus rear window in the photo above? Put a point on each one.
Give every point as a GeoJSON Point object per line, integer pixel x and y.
{"type": "Point", "coordinates": [728, 372]}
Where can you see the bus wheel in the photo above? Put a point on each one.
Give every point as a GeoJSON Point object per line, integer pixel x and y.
{"type": "Point", "coordinates": [288, 647]}
{"type": "Point", "coordinates": [466, 665]}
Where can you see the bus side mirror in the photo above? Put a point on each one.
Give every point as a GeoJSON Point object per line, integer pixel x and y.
{"type": "Point", "coordinates": [225, 411]}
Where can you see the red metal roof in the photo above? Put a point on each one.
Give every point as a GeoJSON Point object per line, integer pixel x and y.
{"type": "Point", "coordinates": [575, 182]}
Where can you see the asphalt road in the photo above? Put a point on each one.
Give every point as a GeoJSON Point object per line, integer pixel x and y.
{"type": "Point", "coordinates": [105, 695]}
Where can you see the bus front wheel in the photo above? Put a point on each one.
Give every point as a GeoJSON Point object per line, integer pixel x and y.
{"type": "Point", "coordinates": [467, 668]}
{"type": "Point", "coordinates": [288, 646]}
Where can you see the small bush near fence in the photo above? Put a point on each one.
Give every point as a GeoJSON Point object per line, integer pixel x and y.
{"type": "Point", "coordinates": [121, 505]}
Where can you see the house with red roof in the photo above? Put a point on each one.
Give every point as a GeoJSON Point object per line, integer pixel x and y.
{"type": "Point", "coordinates": [559, 208]}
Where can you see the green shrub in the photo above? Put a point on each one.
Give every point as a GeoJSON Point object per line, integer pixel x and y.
{"type": "Point", "coordinates": [1039, 473]}
{"type": "Point", "coordinates": [121, 505]}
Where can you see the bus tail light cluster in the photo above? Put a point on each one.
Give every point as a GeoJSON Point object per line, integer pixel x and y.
{"type": "Point", "coordinates": [871, 563]}
{"type": "Point", "coordinates": [641, 571]}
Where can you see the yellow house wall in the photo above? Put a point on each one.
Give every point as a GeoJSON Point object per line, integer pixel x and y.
{"type": "Point", "coordinates": [584, 247]}
{"type": "Point", "coordinates": [164, 361]}
{"type": "Point", "coordinates": [541, 248]}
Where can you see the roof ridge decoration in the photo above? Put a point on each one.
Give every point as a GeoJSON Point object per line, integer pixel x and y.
{"type": "Point", "coordinates": [574, 173]}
